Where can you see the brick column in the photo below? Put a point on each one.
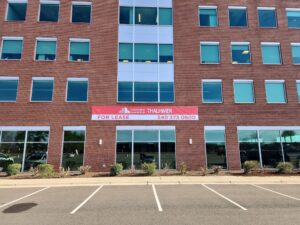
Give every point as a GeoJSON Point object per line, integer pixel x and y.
{"type": "Point", "coordinates": [55, 145]}
{"type": "Point", "coordinates": [232, 147]}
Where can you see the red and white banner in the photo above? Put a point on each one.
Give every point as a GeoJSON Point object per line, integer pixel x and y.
{"type": "Point", "coordinates": [145, 113]}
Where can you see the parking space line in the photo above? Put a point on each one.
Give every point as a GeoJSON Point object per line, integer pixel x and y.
{"type": "Point", "coordinates": [275, 192]}
{"type": "Point", "coordinates": [224, 197]}
{"type": "Point", "coordinates": [156, 199]}
{"type": "Point", "coordinates": [86, 200]}
{"type": "Point", "coordinates": [26, 196]}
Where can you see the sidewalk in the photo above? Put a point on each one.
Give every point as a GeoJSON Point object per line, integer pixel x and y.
{"type": "Point", "coordinates": [149, 180]}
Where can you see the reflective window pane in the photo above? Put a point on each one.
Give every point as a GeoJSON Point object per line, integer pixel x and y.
{"type": "Point", "coordinates": [8, 90]}
{"type": "Point", "coordinates": [238, 17]}
{"type": "Point", "coordinates": [298, 91]}
{"type": "Point", "coordinates": [165, 16]}
{"type": "Point", "coordinates": [125, 52]}
{"type": "Point", "coordinates": [81, 13]}
{"type": "Point", "coordinates": [124, 136]}
{"type": "Point", "coordinates": [249, 149]}
{"type": "Point", "coordinates": [291, 146]}
{"type": "Point", "coordinates": [243, 92]}
{"type": "Point", "coordinates": [146, 152]}
{"type": "Point", "coordinates": [13, 136]}
{"type": "Point", "coordinates": [16, 11]}
{"type": "Point", "coordinates": [49, 12]}
{"type": "Point", "coordinates": [145, 92]}
{"type": "Point", "coordinates": [42, 90]}
{"type": "Point", "coordinates": [210, 53]}
{"type": "Point", "coordinates": [267, 18]}
{"type": "Point", "coordinates": [77, 91]}
{"type": "Point", "coordinates": [124, 153]}
{"type": "Point", "coordinates": [45, 50]}
{"type": "Point", "coordinates": [12, 49]}
{"type": "Point", "coordinates": [125, 91]}
{"type": "Point", "coordinates": [166, 91]}
{"type": "Point", "coordinates": [296, 54]}
{"type": "Point", "coordinates": [126, 15]}
{"type": "Point", "coordinates": [240, 54]}
{"type": "Point", "coordinates": [74, 136]}
{"type": "Point", "coordinates": [212, 92]}
{"type": "Point", "coordinates": [275, 92]}
{"type": "Point", "coordinates": [79, 51]}
{"type": "Point", "coordinates": [165, 53]}
{"type": "Point", "coordinates": [293, 19]}
{"type": "Point", "coordinates": [146, 53]}
{"type": "Point", "coordinates": [271, 54]}
{"type": "Point", "coordinates": [208, 17]}
{"type": "Point", "coordinates": [146, 136]}
{"type": "Point", "coordinates": [146, 15]}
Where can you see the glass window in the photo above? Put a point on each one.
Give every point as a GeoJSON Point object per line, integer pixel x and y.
{"type": "Point", "coordinates": [208, 17]}
{"type": "Point", "coordinates": [296, 54]}
{"type": "Point", "coordinates": [240, 54]}
{"type": "Point", "coordinates": [45, 50]}
{"type": "Point", "coordinates": [293, 18]}
{"type": "Point", "coordinates": [209, 53]}
{"type": "Point", "coordinates": [146, 15]}
{"type": "Point", "coordinates": [215, 148]}
{"type": "Point", "coordinates": [12, 49]}
{"type": "Point", "coordinates": [125, 91]}
{"type": "Point", "coordinates": [243, 92]}
{"type": "Point", "coordinates": [165, 53]}
{"type": "Point", "coordinates": [126, 15]}
{"type": "Point", "coordinates": [275, 92]}
{"type": "Point", "coordinates": [291, 146]}
{"type": "Point", "coordinates": [124, 148]}
{"type": "Point", "coordinates": [77, 91]}
{"type": "Point", "coordinates": [249, 148]}
{"type": "Point", "coordinates": [49, 12]}
{"type": "Point", "coordinates": [165, 16]}
{"type": "Point", "coordinates": [16, 11]}
{"type": "Point", "coordinates": [125, 52]}
{"type": "Point", "coordinates": [267, 18]}
{"type": "Point", "coordinates": [42, 90]}
{"type": "Point", "coordinates": [73, 149]}
{"type": "Point", "coordinates": [81, 13]}
{"type": "Point", "coordinates": [145, 53]}
{"type": "Point", "coordinates": [212, 92]}
{"type": "Point", "coordinates": [238, 17]}
{"type": "Point", "coordinates": [298, 90]}
{"type": "Point", "coordinates": [146, 92]}
{"type": "Point", "coordinates": [79, 51]}
{"type": "Point", "coordinates": [166, 91]}
{"type": "Point", "coordinates": [8, 90]}
{"type": "Point", "coordinates": [271, 54]}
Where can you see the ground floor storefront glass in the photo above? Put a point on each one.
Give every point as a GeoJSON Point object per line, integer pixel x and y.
{"type": "Point", "coordinates": [27, 146]}
{"type": "Point", "coordinates": [270, 146]}
{"type": "Point", "coordinates": [138, 145]}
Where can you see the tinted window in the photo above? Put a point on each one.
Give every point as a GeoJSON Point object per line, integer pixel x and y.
{"type": "Point", "coordinates": [208, 17]}
{"type": "Point", "coordinates": [145, 92]}
{"type": "Point", "coordinates": [125, 91]}
{"type": "Point", "coordinates": [126, 15]}
{"type": "Point", "coordinates": [49, 12]}
{"type": "Point", "coordinates": [42, 90]}
{"type": "Point", "coordinates": [8, 90]}
{"type": "Point", "coordinates": [243, 92]}
{"type": "Point", "coordinates": [240, 54]}
{"type": "Point", "coordinates": [293, 19]}
{"type": "Point", "coordinates": [12, 49]}
{"type": "Point", "coordinates": [271, 54]}
{"type": "Point", "coordinates": [125, 52]}
{"type": "Point", "coordinates": [79, 51]}
{"type": "Point", "coordinates": [275, 92]}
{"type": "Point", "coordinates": [77, 91]}
{"type": "Point", "coordinates": [81, 13]}
{"type": "Point", "coordinates": [165, 16]}
{"type": "Point", "coordinates": [165, 53]}
{"type": "Point", "coordinates": [145, 53]}
{"type": "Point", "coordinates": [238, 17]}
{"type": "Point", "coordinates": [212, 92]}
{"type": "Point", "coordinates": [45, 50]}
{"type": "Point", "coordinates": [296, 54]}
{"type": "Point", "coordinates": [210, 53]}
{"type": "Point", "coordinates": [267, 18]}
{"type": "Point", "coordinates": [166, 92]}
{"type": "Point", "coordinates": [16, 11]}
{"type": "Point", "coordinates": [146, 16]}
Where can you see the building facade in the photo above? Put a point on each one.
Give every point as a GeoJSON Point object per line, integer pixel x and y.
{"type": "Point", "coordinates": [208, 83]}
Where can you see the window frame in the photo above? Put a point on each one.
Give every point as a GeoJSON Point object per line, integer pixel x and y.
{"type": "Point", "coordinates": [208, 7]}
{"type": "Point", "coordinates": [45, 39]}
{"type": "Point", "coordinates": [243, 82]}
{"type": "Point", "coordinates": [294, 45]}
{"type": "Point", "coordinates": [212, 81]}
{"type": "Point", "coordinates": [9, 38]}
{"type": "Point", "coordinates": [11, 78]}
{"type": "Point", "coordinates": [271, 44]}
{"type": "Point", "coordinates": [241, 43]}
{"type": "Point", "coordinates": [15, 1]}
{"type": "Point", "coordinates": [83, 40]}
{"type": "Point", "coordinates": [49, 2]}
{"type": "Point", "coordinates": [267, 9]}
{"type": "Point", "coordinates": [238, 8]}
{"type": "Point", "coordinates": [210, 43]}
{"type": "Point", "coordinates": [284, 89]}
{"type": "Point", "coordinates": [81, 3]}
{"type": "Point", "coordinates": [77, 79]}
{"type": "Point", "coordinates": [41, 79]}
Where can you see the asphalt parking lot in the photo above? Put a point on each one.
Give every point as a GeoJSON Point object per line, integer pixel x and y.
{"type": "Point", "coordinates": [152, 204]}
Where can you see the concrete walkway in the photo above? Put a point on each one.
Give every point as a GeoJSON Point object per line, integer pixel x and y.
{"type": "Point", "coordinates": [149, 180]}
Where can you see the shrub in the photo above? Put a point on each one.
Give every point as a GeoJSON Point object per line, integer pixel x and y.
{"type": "Point", "coordinates": [149, 168]}
{"type": "Point", "coordinates": [216, 169]}
{"type": "Point", "coordinates": [84, 169]}
{"type": "Point", "coordinates": [183, 168]}
{"type": "Point", "coordinates": [116, 169]}
{"type": "Point", "coordinates": [46, 170]}
{"type": "Point", "coordinates": [13, 169]}
{"type": "Point", "coordinates": [285, 168]}
{"type": "Point", "coordinates": [63, 172]}
{"type": "Point", "coordinates": [250, 165]}
{"type": "Point", "coordinates": [5, 164]}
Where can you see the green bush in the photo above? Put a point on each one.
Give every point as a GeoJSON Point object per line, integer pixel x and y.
{"type": "Point", "coordinates": [46, 170]}
{"type": "Point", "coordinates": [13, 169]}
{"type": "Point", "coordinates": [5, 164]}
{"type": "Point", "coordinates": [149, 168]}
{"type": "Point", "coordinates": [183, 168]}
{"type": "Point", "coordinates": [285, 168]}
{"type": "Point", "coordinates": [116, 169]}
{"type": "Point", "coordinates": [250, 165]}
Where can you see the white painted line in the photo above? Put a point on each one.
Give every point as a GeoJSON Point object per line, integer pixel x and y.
{"type": "Point", "coordinates": [86, 200]}
{"type": "Point", "coordinates": [275, 192]}
{"type": "Point", "coordinates": [156, 199]}
{"type": "Point", "coordinates": [222, 196]}
{"type": "Point", "coordinates": [26, 196]}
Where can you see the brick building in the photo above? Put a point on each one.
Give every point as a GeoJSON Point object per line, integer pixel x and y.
{"type": "Point", "coordinates": [208, 83]}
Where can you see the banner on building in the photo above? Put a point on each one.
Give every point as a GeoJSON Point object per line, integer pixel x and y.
{"type": "Point", "coordinates": [170, 113]}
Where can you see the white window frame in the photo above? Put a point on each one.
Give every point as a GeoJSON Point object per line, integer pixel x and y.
{"type": "Point", "coordinates": [84, 40]}
{"type": "Point", "coordinates": [279, 82]}
{"type": "Point", "coordinates": [271, 44]}
{"type": "Point", "coordinates": [294, 45]}
{"type": "Point", "coordinates": [241, 43]}
{"type": "Point", "coordinates": [49, 2]}
{"type": "Point", "coordinates": [208, 7]}
{"type": "Point", "coordinates": [45, 39]}
{"type": "Point", "coordinates": [14, 1]}
{"type": "Point", "coordinates": [81, 3]}
{"type": "Point", "coordinates": [77, 79]}
{"type": "Point", "coordinates": [253, 91]}
{"type": "Point", "coordinates": [45, 79]}
{"type": "Point", "coordinates": [212, 81]}
{"type": "Point", "coordinates": [238, 7]}
{"type": "Point", "coordinates": [7, 38]}
{"type": "Point", "coordinates": [210, 43]}
{"type": "Point", "coordinates": [267, 9]}
{"type": "Point", "coordinates": [11, 78]}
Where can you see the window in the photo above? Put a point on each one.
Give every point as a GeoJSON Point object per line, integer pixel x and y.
{"type": "Point", "coordinates": [296, 53]}
{"type": "Point", "coordinates": [126, 15]}
{"type": "Point", "coordinates": [208, 16]}
{"type": "Point", "coordinates": [145, 53]}
{"type": "Point", "coordinates": [42, 89]}
{"type": "Point", "coordinates": [12, 48]}
{"type": "Point", "coordinates": [267, 17]}
{"type": "Point", "coordinates": [240, 53]}
{"type": "Point", "coordinates": [145, 92]}
{"type": "Point", "coordinates": [243, 91]}
{"type": "Point", "coordinates": [79, 50]}
{"type": "Point", "coordinates": [81, 12]}
{"type": "Point", "coordinates": [271, 54]}
{"type": "Point", "coordinates": [293, 16]}
{"type": "Point", "coordinates": [125, 52]}
{"type": "Point", "coordinates": [166, 53]}
{"type": "Point", "coordinates": [248, 142]}
{"type": "Point", "coordinates": [238, 16]}
{"type": "Point", "coordinates": [146, 16]}
{"type": "Point", "coordinates": [212, 91]}
{"type": "Point", "coordinates": [16, 10]}
{"type": "Point", "coordinates": [215, 147]}
{"type": "Point", "coordinates": [45, 49]}
{"type": "Point", "coordinates": [209, 52]}
{"type": "Point", "coordinates": [136, 146]}
{"type": "Point", "coordinates": [8, 89]}
{"type": "Point", "coordinates": [298, 89]}
{"type": "Point", "coordinates": [275, 91]}
{"type": "Point", "coordinates": [73, 148]}
{"type": "Point", "coordinates": [77, 90]}
{"type": "Point", "coordinates": [49, 11]}
{"type": "Point", "coordinates": [165, 16]}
